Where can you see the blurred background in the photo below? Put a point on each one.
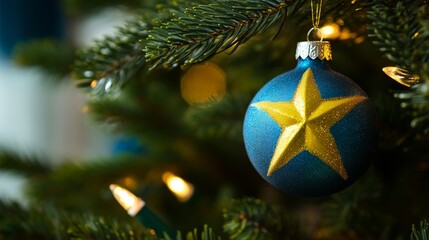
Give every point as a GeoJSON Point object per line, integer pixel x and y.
{"type": "Point", "coordinates": [43, 113]}
{"type": "Point", "coordinates": [64, 139]}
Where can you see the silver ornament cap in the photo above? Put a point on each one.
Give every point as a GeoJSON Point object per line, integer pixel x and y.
{"type": "Point", "coordinates": [313, 50]}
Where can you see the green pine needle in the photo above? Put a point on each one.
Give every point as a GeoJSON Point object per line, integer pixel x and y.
{"type": "Point", "coordinates": [114, 60]}
{"type": "Point", "coordinates": [17, 222]}
{"type": "Point", "coordinates": [422, 233]}
{"type": "Point", "coordinates": [105, 229]}
{"type": "Point", "coordinates": [51, 55]}
{"type": "Point", "coordinates": [401, 30]}
{"type": "Point", "coordinates": [149, 108]}
{"type": "Point", "coordinates": [396, 30]}
{"type": "Point", "coordinates": [169, 37]}
{"type": "Point", "coordinates": [181, 33]}
{"type": "Point", "coordinates": [24, 165]}
{"type": "Point", "coordinates": [59, 187]}
{"type": "Point", "coordinates": [206, 234]}
{"type": "Point", "coordinates": [44, 222]}
{"type": "Point", "coordinates": [201, 31]}
{"type": "Point", "coordinates": [356, 210]}
{"type": "Point", "coordinates": [223, 120]}
{"type": "Point", "coordinates": [253, 219]}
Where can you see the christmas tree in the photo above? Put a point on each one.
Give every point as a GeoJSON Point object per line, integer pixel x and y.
{"type": "Point", "coordinates": [178, 78]}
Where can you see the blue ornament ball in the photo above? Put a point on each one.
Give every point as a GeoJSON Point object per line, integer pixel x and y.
{"type": "Point", "coordinates": [130, 145]}
{"type": "Point", "coordinates": [310, 131]}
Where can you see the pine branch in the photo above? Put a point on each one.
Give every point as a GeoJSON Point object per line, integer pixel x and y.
{"type": "Point", "coordinates": [395, 27]}
{"type": "Point", "coordinates": [105, 229]}
{"type": "Point", "coordinates": [34, 223]}
{"type": "Point", "coordinates": [100, 229]}
{"type": "Point", "coordinates": [253, 219]}
{"type": "Point", "coordinates": [148, 108]}
{"type": "Point", "coordinates": [29, 166]}
{"type": "Point", "coordinates": [113, 61]}
{"type": "Point", "coordinates": [199, 32]}
{"type": "Point", "coordinates": [44, 222]}
{"type": "Point", "coordinates": [91, 180]}
{"type": "Point", "coordinates": [401, 29]}
{"type": "Point", "coordinates": [48, 54]}
{"type": "Point", "coordinates": [422, 233]}
{"type": "Point", "coordinates": [416, 103]}
{"type": "Point", "coordinates": [182, 33]}
{"type": "Point", "coordinates": [221, 120]}
{"type": "Point", "coordinates": [206, 234]}
{"type": "Point", "coordinates": [356, 210]}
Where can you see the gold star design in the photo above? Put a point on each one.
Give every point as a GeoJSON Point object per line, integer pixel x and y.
{"type": "Point", "coordinates": [305, 122]}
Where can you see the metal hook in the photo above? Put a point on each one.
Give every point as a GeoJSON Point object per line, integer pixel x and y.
{"type": "Point", "coordinates": [315, 29]}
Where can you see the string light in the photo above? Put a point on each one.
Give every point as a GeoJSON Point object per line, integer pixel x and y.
{"type": "Point", "coordinates": [137, 208]}
{"type": "Point", "coordinates": [401, 75]}
{"type": "Point", "coordinates": [127, 200]}
{"type": "Point", "coordinates": [180, 188]}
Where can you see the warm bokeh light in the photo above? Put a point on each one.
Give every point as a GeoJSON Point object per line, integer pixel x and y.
{"type": "Point", "coordinates": [359, 40]}
{"type": "Point", "coordinates": [85, 109]}
{"type": "Point", "coordinates": [181, 189]}
{"type": "Point", "coordinates": [94, 83]}
{"type": "Point", "coordinates": [127, 200]}
{"type": "Point", "coordinates": [203, 83]}
{"type": "Point", "coordinates": [402, 76]}
{"type": "Point", "coordinates": [152, 232]}
{"type": "Point", "coordinates": [129, 182]}
{"type": "Point", "coordinates": [346, 34]}
{"type": "Point", "coordinates": [330, 30]}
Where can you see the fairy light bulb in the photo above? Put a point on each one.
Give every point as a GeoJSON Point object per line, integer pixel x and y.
{"type": "Point", "coordinates": [137, 208]}
{"type": "Point", "coordinates": [401, 75]}
{"type": "Point", "coordinates": [127, 200]}
{"type": "Point", "coordinates": [180, 188]}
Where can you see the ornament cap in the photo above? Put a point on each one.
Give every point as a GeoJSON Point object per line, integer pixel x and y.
{"type": "Point", "coordinates": [313, 50]}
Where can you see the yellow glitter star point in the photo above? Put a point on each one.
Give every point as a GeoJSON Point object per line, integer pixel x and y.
{"type": "Point", "coordinates": [305, 122]}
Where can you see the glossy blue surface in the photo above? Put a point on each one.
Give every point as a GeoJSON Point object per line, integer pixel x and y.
{"type": "Point", "coordinates": [305, 174]}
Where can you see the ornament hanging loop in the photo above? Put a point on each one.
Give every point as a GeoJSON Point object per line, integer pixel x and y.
{"type": "Point", "coordinates": [316, 11]}
{"type": "Point", "coordinates": [320, 33]}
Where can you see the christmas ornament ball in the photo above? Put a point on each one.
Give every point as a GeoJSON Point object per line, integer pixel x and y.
{"type": "Point", "coordinates": [310, 131]}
